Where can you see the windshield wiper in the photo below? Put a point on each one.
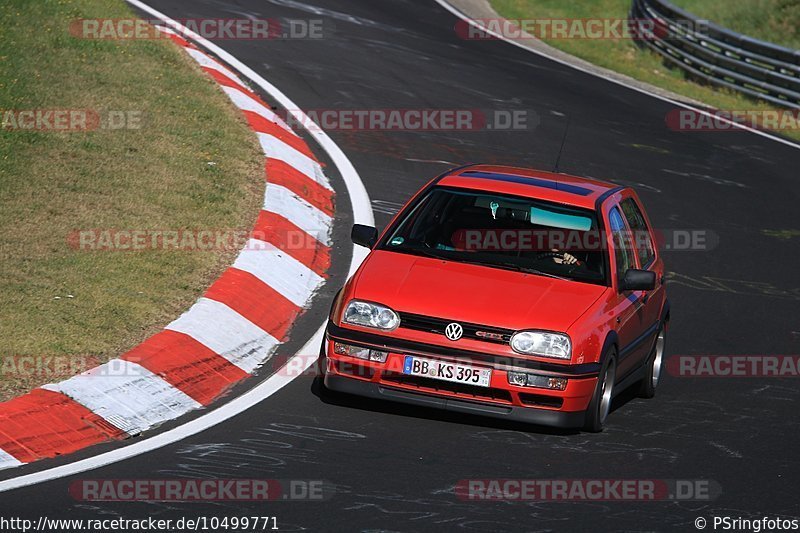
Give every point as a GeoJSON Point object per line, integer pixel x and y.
{"type": "Point", "coordinates": [512, 266]}
{"type": "Point", "coordinates": [426, 253]}
{"type": "Point", "coordinates": [504, 265]}
{"type": "Point", "coordinates": [528, 270]}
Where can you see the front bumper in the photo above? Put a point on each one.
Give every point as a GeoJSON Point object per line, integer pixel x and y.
{"type": "Point", "coordinates": [500, 400]}
{"type": "Point", "coordinates": [563, 419]}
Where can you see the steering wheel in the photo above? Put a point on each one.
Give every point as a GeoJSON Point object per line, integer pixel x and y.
{"type": "Point", "coordinates": [549, 255]}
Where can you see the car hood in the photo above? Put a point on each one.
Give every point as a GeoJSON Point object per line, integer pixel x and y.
{"type": "Point", "coordinates": [472, 293]}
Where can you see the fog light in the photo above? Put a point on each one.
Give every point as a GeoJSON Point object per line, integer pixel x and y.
{"type": "Point", "coordinates": [360, 353]}
{"type": "Point", "coordinates": [545, 382]}
{"type": "Point", "coordinates": [517, 378]}
{"type": "Point", "coordinates": [352, 351]}
{"type": "Point", "coordinates": [380, 357]}
{"type": "Point", "coordinates": [521, 379]}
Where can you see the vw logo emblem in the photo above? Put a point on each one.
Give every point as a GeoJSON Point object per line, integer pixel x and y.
{"type": "Point", "coordinates": [453, 331]}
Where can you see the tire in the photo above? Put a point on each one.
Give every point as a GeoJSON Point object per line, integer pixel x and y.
{"type": "Point", "coordinates": [322, 360]}
{"type": "Point", "coordinates": [319, 380]}
{"type": "Point", "coordinates": [600, 406]}
{"type": "Point", "coordinates": [654, 366]}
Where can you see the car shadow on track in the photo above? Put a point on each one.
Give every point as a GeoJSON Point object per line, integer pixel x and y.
{"type": "Point", "coordinates": [350, 401]}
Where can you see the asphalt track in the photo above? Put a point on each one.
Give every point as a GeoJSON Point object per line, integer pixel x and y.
{"type": "Point", "coordinates": [393, 468]}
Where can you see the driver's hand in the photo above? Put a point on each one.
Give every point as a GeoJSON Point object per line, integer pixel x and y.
{"type": "Point", "coordinates": [566, 259]}
{"type": "Point", "coordinates": [570, 259]}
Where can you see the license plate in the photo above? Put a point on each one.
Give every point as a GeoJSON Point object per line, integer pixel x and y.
{"type": "Point", "coordinates": [417, 366]}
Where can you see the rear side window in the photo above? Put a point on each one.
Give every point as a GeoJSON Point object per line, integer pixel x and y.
{"type": "Point", "coordinates": [622, 248]}
{"type": "Point", "coordinates": [641, 233]}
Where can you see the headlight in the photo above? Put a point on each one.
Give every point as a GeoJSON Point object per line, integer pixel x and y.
{"type": "Point", "coordinates": [542, 343]}
{"type": "Point", "coordinates": [371, 315]}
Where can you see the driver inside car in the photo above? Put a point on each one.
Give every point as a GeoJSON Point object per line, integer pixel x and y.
{"type": "Point", "coordinates": [566, 258]}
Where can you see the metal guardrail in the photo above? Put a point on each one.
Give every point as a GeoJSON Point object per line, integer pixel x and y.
{"type": "Point", "coordinates": [714, 54]}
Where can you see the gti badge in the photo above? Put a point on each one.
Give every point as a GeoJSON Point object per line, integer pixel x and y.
{"type": "Point", "coordinates": [453, 331]}
{"type": "Point", "coordinates": [487, 335]}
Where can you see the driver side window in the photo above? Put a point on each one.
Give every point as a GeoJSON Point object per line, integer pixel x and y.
{"type": "Point", "coordinates": [622, 246]}
{"type": "Point", "coordinates": [641, 233]}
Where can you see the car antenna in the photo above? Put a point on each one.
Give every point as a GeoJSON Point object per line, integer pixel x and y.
{"type": "Point", "coordinates": [563, 143]}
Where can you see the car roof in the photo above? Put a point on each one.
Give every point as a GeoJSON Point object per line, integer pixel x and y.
{"type": "Point", "coordinates": [530, 183]}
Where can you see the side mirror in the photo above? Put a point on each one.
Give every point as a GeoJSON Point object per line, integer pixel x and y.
{"type": "Point", "coordinates": [364, 235]}
{"type": "Point", "coordinates": [638, 280]}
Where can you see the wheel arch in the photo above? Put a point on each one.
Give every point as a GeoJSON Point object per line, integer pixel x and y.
{"type": "Point", "coordinates": [612, 340]}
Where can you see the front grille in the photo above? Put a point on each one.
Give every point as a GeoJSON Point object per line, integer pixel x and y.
{"type": "Point", "coordinates": [469, 392]}
{"type": "Point", "coordinates": [471, 331]}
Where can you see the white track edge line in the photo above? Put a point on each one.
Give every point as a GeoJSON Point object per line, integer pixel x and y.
{"type": "Point", "coordinates": [362, 214]}
{"type": "Point", "coordinates": [455, 11]}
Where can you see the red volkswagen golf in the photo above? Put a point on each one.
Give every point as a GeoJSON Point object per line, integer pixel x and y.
{"type": "Point", "coordinates": [505, 292]}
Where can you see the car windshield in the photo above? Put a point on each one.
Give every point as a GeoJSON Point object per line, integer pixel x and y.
{"type": "Point", "coordinates": [501, 231]}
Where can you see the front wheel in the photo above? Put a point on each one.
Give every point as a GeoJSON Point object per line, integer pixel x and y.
{"type": "Point", "coordinates": [655, 363]}
{"type": "Point", "coordinates": [600, 406]}
{"type": "Point", "coordinates": [322, 360]}
{"type": "Point", "coordinates": [321, 366]}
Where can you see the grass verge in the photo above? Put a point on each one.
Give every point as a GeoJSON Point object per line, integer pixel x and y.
{"type": "Point", "coordinates": [625, 57]}
{"type": "Point", "coordinates": [192, 164]}
{"type": "Point", "coordinates": [775, 21]}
